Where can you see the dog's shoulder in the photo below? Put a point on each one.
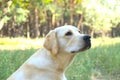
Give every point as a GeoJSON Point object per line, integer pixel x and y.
{"type": "Point", "coordinates": [40, 58]}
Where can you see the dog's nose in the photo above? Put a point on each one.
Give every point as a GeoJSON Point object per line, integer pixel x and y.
{"type": "Point", "coordinates": [86, 37]}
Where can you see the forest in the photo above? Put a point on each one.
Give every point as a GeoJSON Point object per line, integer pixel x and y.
{"type": "Point", "coordinates": [24, 24]}
{"type": "Point", "coordinates": [35, 18]}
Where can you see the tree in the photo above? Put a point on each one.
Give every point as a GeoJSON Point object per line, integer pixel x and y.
{"type": "Point", "coordinates": [101, 15]}
{"type": "Point", "coordinates": [34, 18]}
{"type": "Point", "coordinates": [4, 9]}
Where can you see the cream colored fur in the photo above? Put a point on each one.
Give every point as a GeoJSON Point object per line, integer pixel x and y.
{"type": "Point", "coordinates": [51, 61]}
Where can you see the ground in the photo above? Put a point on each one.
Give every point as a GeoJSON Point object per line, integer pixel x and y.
{"type": "Point", "coordinates": [101, 62]}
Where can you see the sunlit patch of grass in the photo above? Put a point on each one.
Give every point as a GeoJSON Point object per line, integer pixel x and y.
{"type": "Point", "coordinates": [23, 43]}
{"type": "Point", "coordinates": [104, 41]}
{"type": "Point", "coordinates": [20, 43]}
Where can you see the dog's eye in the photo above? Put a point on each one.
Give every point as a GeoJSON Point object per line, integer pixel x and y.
{"type": "Point", "coordinates": [68, 33]}
{"type": "Point", "coordinates": [79, 31]}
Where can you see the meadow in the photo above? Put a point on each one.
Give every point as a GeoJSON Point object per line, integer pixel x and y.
{"type": "Point", "coordinates": [101, 62]}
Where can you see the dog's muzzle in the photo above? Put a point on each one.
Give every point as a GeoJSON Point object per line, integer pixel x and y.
{"type": "Point", "coordinates": [87, 41]}
{"type": "Point", "coordinates": [87, 44]}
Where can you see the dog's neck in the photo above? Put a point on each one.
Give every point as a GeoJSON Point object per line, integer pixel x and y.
{"type": "Point", "coordinates": [54, 62]}
{"type": "Point", "coordinates": [63, 60]}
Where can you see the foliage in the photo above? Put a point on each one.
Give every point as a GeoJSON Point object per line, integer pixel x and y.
{"type": "Point", "coordinates": [18, 11]}
{"type": "Point", "coordinates": [101, 15]}
{"type": "Point", "coordinates": [34, 18]}
{"type": "Point", "coordinates": [21, 15]}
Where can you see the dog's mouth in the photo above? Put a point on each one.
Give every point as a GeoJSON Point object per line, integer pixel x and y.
{"type": "Point", "coordinates": [87, 46]}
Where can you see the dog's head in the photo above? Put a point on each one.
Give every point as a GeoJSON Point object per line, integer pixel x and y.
{"type": "Point", "coordinates": [67, 39]}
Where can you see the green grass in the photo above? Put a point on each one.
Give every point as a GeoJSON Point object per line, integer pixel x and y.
{"type": "Point", "coordinates": [101, 62]}
{"type": "Point", "coordinates": [20, 43]}
{"type": "Point", "coordinates": [10, 60]}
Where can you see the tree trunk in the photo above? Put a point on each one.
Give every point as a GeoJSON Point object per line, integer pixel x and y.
{"type": "Point", "coordinates": [36, 30]}
{"type": "Point", "coordinates": [28, 30]}
{"type": "Point", "coordinates": [53, 19]}
{"type": "Point", "coordinates": [72, 5]}
{"type": "Point", "coordinates": [64, 20]}
{"type": "Point", "coordinates": [71, 18]}
{"type": "Point", "coordinates": [48, 22]}
{"type": "Point", "coordinates": [80, 21]}
{"type": "Point", "coordinates": [92, 33]}
{"type": "Point", "coordinates": [2, 23]}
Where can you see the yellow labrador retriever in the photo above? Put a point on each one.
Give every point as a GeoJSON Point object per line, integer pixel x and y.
{"type": "Point", "coordinates": [51, 61]}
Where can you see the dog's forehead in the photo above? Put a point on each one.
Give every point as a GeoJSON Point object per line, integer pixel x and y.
{"type": "Point", "coordinates": [65, 29]}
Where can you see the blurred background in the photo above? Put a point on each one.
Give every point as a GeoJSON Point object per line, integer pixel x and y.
{"type": "Point", "coordinates": [34, 18]}
{"type": "Point", "coordinates": [24, 24]}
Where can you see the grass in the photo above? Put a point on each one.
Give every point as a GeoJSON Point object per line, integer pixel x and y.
{"type": "Point", "coordinates": [10, 60]}
{"type": "Point", "coordinates": [101, 62]}
{"type": "Point", "coordinates": [20, 43]}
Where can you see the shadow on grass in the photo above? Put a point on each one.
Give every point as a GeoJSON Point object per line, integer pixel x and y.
{"type": "Point", "coordinates": [100, 63]}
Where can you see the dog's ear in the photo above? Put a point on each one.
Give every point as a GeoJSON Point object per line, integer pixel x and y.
{"type": "Point", "coordinates": [51, 42]}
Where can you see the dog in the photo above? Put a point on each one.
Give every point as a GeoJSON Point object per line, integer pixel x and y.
{"type": "Point", "coordinates": [51, 61]}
